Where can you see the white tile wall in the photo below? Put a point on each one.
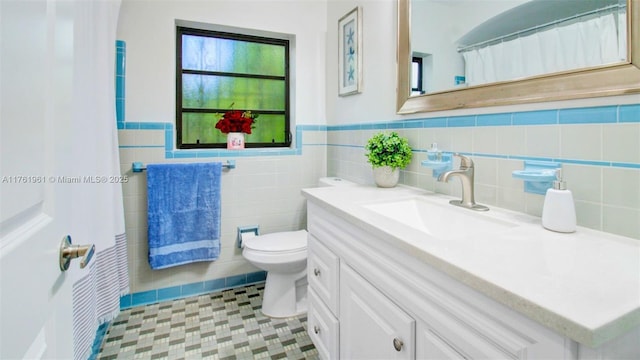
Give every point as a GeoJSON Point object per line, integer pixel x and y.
{"type": "Point", "coordinates": [260, 190]}
{"type": "Point", "coordinates": [607, 198]}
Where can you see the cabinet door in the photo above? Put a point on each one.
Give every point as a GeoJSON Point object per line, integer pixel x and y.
{"type": "Point", "coordinates": [322, 328]}
{"type": "Point", "coordinates": [432, 346]}
{"type": "Point", "coordinates": [322, 273]}
{"type": "Point", "coordinates": [371, 325]}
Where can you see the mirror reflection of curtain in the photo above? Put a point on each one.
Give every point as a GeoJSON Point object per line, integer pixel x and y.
{"type": "Point", "coordinates": [591, 42]}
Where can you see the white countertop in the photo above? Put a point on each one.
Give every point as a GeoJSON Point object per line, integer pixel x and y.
{"type": "Point", "coordinates": [585, 285]}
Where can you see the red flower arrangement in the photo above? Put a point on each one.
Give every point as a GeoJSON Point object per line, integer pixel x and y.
{"type": "Point", "coordinates": [237, 121]}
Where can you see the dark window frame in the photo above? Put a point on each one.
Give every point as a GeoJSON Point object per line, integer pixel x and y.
{"type": "Point", "coordinates": [182, 30]}
{"type": "Point", "coordinates": [420, 88]}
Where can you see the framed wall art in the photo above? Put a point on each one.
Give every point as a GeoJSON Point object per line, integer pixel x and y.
{"type": "Point", "coordinates": [350, 52]}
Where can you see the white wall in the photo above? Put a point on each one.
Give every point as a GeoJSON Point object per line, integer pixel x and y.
{"type": "Point", "coordinates": [148, 27]}
{"type": "Point", "coordinates": [379, 33]}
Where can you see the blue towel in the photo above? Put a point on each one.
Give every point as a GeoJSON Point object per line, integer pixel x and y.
{"type": "Point", "coordinates": [183, 213]}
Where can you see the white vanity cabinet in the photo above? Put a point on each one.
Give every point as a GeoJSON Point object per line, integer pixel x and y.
{"type": "Point", "coordinates": [373, 326]}
{"type": "Point", "coordinates": [380, 303]}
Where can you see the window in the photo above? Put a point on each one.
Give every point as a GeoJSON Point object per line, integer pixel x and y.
{"type": "Point", "coordinates": [220, 71]}
{"type": "Point", "coordinates": [416, 76]}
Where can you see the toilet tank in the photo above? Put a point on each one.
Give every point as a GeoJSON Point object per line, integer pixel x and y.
{"type": "Point", "coordinates": [334, 181]}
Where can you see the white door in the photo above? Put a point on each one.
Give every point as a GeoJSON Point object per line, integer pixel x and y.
{"type": "Point", "coordinates": [36, 74]}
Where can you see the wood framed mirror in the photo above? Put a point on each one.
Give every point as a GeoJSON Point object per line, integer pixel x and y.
{"type": "Point", "coordinates": [606, 80]}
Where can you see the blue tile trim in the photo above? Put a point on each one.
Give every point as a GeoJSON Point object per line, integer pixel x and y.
{"type": "Point", "coordinates": [97, 340]}
{"type": "Point", "coordinates": [145, 297]}
{"type": "Point", "coordinates": [595, 115]}
{"type": "Point", "coordinates": [591, 115]}
{"type": "Point", "coordinates": [414, 124]}
{"type": "Point", "coordinates": [629, 113]}
{"type": "Point", "coordinates": [558, 160]}
{"type": "Point", "coordinates": [312, 127]}
{"type": "Point", "coordinates": [542, 117]}
{"type": "Point", "coordinates": [168, 139]}
{"type": "Point", "coordinates": [625, 165]}
{"type": "Point", "coordinates": [584, 162]}
{"type": "Point", "coordinates": [346, 145]}
{"type": "Point", "coordinates": [495, 156]}
{"type": "Point", "coordinates": [151, 126]}
{"type": "Point", "coordinates": [435, 123]}
{"type": "Point", "coordinates": [461, 121]}
{"type": "Point", "coordinates": [120, 70]}
{"type": "Point", "coordinates": [237, 280]}
{"type": "Point", "coordinates": [256, 277]}
{"type": "Point", "coordinates": [524, 158]}
{"type": "Point", "coordinates": [494, 120]}
{"type": "Point", "coordinates": [170, 293]}
{"type": "Point", "coordinates": [171, 153]}
{"type": "Point", "coordinates": [125, 301]}
{"type": "Point", "coordinates": [212, 285]}
{"type": "Point", "coordinates": [192, 289]}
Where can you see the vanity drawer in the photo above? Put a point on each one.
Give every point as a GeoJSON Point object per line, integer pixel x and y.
{"type": "Point", "coordinates": [323, 268]}
{"type": "Point", "coordinates": [323, 328]}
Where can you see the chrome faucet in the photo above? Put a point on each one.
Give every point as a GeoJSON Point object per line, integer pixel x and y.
{"type": "Point", "coordinates": [465, 173]}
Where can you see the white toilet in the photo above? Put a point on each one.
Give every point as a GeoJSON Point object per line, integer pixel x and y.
{"type": "Point", "coordinates": [283, 255]}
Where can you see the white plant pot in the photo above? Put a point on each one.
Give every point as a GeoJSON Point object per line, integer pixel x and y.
{"type": "Point", "coordinates": [235, 140]}
{"type": "Point", "coordinates": [385, 176]}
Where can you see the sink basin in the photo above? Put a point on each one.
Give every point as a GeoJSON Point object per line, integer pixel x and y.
{"type": "Point", "coordinates": [438, 220]}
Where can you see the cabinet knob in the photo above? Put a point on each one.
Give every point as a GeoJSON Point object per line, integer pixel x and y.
{"type": "Point", "coordinates": [398, 344]}
{"type": "Point", "coordinates": [316, 272]}
{"type": "Point", "coordinates": [316, 329]}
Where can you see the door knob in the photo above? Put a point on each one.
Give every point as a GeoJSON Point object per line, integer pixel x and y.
{"type": "Point", "coordinates": [69, 251]}
{"type": "Point", "coordinates": [398, 344]}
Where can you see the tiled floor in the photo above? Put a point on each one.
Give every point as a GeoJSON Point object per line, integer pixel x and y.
{"type": "Point", "coordinates": [221, 325]}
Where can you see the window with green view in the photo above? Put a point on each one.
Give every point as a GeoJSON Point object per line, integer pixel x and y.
{"type": "Point", "coordinates": [220, 71]}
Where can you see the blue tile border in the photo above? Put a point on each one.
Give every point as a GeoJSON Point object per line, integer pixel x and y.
{"type": "Point", "coordinates": [595, 115]}
{"type": "Point", "coordinates": [191, 289]}
{"type": "Point", "coordinates": [494, 120]}
{"type": "Point", "coordinates": [120, 72]}
{"type": "Point", "coordinates": [97, 340]}
{"type": "Point", "coordinates": [590, 115]}
{"type": "Point", "coordinates": [461, 121]}
{"type": "Point", "coordinates": [171, 153]}
{"type": "Point", "coordinates": [543, 117]}
{"type": "Point", "coordinates": [587, 115]}
{"type": "Point", "coordinates": [629, 113]}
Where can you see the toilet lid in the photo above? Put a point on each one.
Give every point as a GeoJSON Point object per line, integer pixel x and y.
{"type": "Point", "coordinates": [280, 241]}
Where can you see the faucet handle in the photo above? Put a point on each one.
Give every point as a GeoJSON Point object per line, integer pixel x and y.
{"type": "Point", "coordinates": [465, 162]}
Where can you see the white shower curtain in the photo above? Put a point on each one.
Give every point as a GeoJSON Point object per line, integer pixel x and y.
{"type": "Point", "coordinates": [96, 293]}
{"type": "Point", "coordinates": [582, 44]}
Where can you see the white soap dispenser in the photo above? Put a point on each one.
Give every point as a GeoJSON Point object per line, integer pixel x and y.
{"type": "Point", "coordinates": [559, 211]}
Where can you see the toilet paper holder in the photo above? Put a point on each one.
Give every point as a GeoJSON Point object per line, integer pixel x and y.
{"type": "Point", "coordinates": [247, 231]}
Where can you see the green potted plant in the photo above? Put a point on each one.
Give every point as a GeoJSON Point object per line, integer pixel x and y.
{"type": "Point", "coordinates": [387, 153]}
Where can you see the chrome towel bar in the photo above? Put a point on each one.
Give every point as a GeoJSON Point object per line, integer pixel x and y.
{"type": "Point", "coordinates": [137, 166]}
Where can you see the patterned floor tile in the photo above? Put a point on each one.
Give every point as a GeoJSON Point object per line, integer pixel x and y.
{"type": "Point", "coordinates": [223, 325]}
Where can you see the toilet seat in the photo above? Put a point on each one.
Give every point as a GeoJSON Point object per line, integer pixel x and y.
{"type": "Point", "coordinates": [281, 242]}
